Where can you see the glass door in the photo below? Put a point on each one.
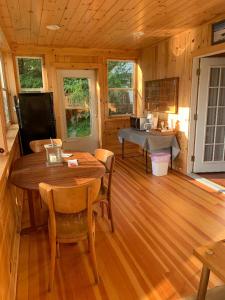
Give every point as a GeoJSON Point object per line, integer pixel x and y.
{"type": "Point", "coordinates": [77, 106]}
{"type": "Point", "coordinates": [79, 109]}
{"type": "Point", "coordinates": [210, 133]}
{"type": "Point", "coordinates": [215, 122]}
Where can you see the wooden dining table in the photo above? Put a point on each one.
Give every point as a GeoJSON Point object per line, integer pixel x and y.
{"type": "Point", "coordinates": [30, 170]}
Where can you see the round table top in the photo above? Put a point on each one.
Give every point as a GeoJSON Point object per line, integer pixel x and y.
{"type": "Point", "coordinates": [30, 170]}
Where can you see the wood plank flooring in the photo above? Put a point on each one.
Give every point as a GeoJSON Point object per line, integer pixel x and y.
{"type": "Point", "coordinates": [158, 221]}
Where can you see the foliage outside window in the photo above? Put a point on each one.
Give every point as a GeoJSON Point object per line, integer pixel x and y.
{"type": "Point", "coordinates": [77, 104]}
{"type": "Point", "coordinates": [120, 87]}
{"type": "Point", "coordinates": [30, 73]}
{"type": "Point", "coordinates": [5, 97]}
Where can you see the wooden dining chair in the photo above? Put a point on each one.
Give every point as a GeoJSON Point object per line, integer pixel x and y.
{"type": "Point", "coordinates": [38, 145]}
{"type": "Point", "coordinates": [71, 218]}
{"type": "Point", "coordinates": [108, 159]}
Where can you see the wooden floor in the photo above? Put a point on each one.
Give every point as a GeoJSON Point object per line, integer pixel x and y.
{"type": "Point", "coordinates": [218, 178]}
{"type": "Point", "coordinates": [158, 221]}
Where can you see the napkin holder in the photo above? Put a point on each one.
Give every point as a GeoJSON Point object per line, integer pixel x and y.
{"type": "Point", "coordinates": [53, 155]}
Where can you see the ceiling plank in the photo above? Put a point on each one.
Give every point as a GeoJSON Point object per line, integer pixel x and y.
{"type": "Point", "coordinates": [114, 24]}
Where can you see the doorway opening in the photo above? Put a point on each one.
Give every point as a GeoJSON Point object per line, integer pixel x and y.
{"type": "Point", "coordinates": [79, 109]}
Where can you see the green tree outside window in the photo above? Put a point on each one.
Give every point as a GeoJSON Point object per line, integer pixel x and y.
{"type": "Point", "coordinates": [30, 73]}
{"type": "Point", "coordinates": [120, 87]}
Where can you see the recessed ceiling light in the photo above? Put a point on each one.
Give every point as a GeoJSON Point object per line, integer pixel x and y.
{"type": "Point", "coordinates": [54, 27]}
{"type": "Point", "coordinates": [138, 34]}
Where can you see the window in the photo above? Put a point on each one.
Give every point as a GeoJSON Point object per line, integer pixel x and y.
{"type": "Point", "coordinates": [30, 73]}
{"type": "Point", "coordinates": [5, 96]}
{"type": "Point", "coordinates": [77, 105]}
{"type": "Point", "coordinates": [120, 87]}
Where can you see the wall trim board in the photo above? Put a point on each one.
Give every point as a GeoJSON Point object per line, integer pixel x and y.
{"type": "Point", "coordinates": [22, 49]}
{"type": "Point", "coordinates": [76, 66]}
{"type": "Point", "coordinates": [210, 50]}
{"type": "Point", "coordinates": [193, 111]}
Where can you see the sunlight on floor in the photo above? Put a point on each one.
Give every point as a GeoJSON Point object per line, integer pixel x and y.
{"type": "Point", "coordinates": [208, 183]}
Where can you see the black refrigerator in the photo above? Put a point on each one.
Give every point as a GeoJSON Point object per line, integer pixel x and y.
{"type": "Point", "coordinates": [36, 119]}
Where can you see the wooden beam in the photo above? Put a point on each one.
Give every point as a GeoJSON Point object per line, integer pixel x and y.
{"type": "Point", "coordinates": [209, 50]}
{"type": "Point", "coordinates": [31, 49]}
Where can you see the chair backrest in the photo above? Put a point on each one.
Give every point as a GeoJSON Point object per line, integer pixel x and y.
{"type": "Point", "coordinates": [108, 159]}
{"type": "Point", "coordinates": [38, 145]}
{"type": "Point", "coordinates": [70, 199]}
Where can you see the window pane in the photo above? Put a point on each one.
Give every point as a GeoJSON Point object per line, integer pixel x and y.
{"type": "Point", "coordinates": [121, 101]}
{"type": "Point", "coordinates": [30, 73]}
{"type": "Point", "coordinates": [222, 97]}
{"type": "Point", "coordinates": [218, 155]}
{"type": "Point", "coordinates": [208, 153]}
{"type": "Point", "coordinates": [211, 116]}
{"type": "Point", "coordinates": [77, 104]}
{"type": "Point", "coordinates": [221, 116]}
{"type": "Point", "coordinates": [120, 74]}
{"type": "Point", "coordinates": [214, 76]}
{"type": "Point", "coordinates": [220, 134]}
{"type": "Point", "coordinates": [6, 106]}
{"type": "Point", "coordinates": [209, 138]}
{"type": "Point", "coordinates": [120, 87]}
{"type": "Point", "coordinates": [213, 92]}
{"type": "Point", "coordinates": [2, 74]}
{"type": "Point", "coordinates": [222, 82]}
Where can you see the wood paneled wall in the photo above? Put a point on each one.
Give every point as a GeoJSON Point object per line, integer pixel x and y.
{"type": "Point", "coordinates": [10, 219]}
{"type": "Point", "coordinates": [173, 58]}
{"type": "Point", "coordinates": [170, 58]}
{"type": "Point", "coordinates": [74, 58]}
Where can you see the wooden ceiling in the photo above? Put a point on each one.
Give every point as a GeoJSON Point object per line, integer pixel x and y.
{"type": "Point", "coordinates": [117, 24]}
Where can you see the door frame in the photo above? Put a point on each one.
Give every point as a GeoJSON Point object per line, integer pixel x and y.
{"type": "Point", "coordinates": [196, 57]}
{"type": "Point", "coordinates": [90, 75]}
{"type": "Point", "coordinates": [99, 92]}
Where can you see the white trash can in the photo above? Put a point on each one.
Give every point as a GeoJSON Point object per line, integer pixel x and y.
{"type": "Point", "coordinates": [160, 163]}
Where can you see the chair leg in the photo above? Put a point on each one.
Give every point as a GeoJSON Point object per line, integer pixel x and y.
{"type": "Point", "coordinates": [58, 250]}
{"type": "Point", "coordinates": [52, 265]}
{"type": "Point", "coordinates": [88, 244]}
{"type": "Point", "coordinates": [110, 215]}
{"type": "Point", "coordinates": [93, 256]}
{"type": "Point", "coordinates": [102, 208]}
{"type": "Point", "coordinates": [40, 200]}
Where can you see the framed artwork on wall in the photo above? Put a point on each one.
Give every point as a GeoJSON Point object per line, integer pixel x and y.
{"type": "Point", "coordinates": [162, 95]}
{"type": "Point", "coordinates": [218, 32]}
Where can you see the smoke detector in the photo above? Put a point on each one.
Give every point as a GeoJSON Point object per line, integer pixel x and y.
{"type": "Point", "coordinates": [53, 26]}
